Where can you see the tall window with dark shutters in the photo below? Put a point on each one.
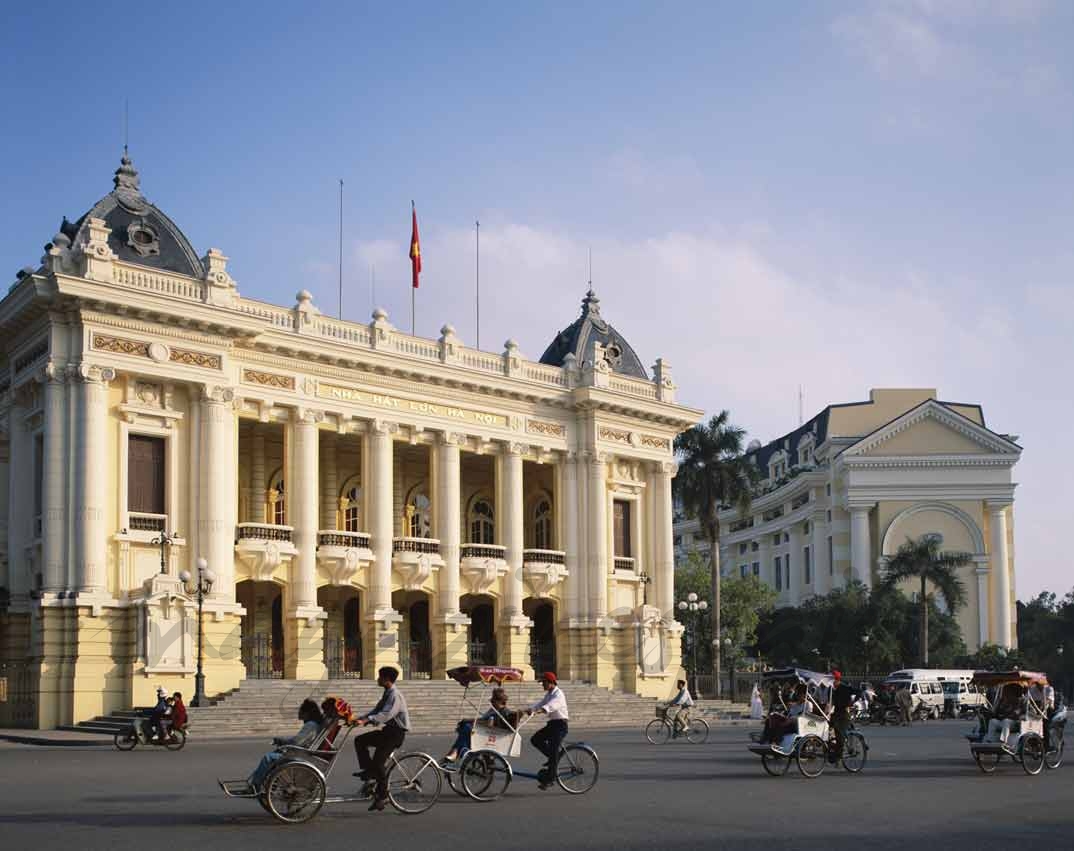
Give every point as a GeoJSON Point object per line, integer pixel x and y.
{"type": "Point", "coordinates": [621, 526]}
{"type": "Point", "coordinates": [145, 474]}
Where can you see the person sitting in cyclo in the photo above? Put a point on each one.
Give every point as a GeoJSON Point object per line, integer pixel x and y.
{"type": "Point", "coordinates": [497, 716]}
{"type": "Point", "coordinates": [679, 709]}
{"type": "Point", "coordinates": [310, 716]}
{"type": "Point", "coordinates": [779, 725]}
{"type": "Point", "coordinates": [334, 709]}
{"type": "Point", "coordinates": [1011, 708]}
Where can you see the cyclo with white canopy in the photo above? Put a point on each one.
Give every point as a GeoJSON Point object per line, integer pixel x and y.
{"type": "Point", "coordinates": [1021, 738]}
{"type": "Point", "coordinates": [485, 772]}
{"type": "Point", "coordinates": [812, 737]}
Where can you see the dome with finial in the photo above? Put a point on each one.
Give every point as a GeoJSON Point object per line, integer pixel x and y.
{"type": "Point", "coordinates": [138, 231]}
{"type": "Point", "coordinates": [578, 338]}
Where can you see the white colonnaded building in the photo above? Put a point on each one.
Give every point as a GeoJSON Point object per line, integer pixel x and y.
{"type": "Point", "coordinates": [362, 497]}
{"type": "Point", "coordinates": [839, 494]}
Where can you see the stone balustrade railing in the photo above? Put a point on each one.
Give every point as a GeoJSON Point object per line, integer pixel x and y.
{"type": "Point", "coordinates": [263, 532]}
{"type": "Point", "coordinates": [339, 538]}
{"type": "Point", "coordinates": [416, 545]}
{"type": "Point", "coordinates": [482, 551]}
{"type": "Point", "coordinates": [543, 556]}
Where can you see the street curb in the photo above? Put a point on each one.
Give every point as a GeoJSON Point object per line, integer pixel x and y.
{"type": "Point", "coordinates": [43, 741]}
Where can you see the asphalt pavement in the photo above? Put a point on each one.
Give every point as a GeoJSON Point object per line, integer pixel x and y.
{"type": "Point", "coordinates": [920, 789]}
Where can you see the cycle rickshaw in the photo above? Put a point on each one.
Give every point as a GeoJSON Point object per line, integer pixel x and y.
{"type": "Point", "coordinates": [296, 787]}
{"type": "Point", "coordinates": [812, 737]}
{"type": "Point", "coordinates": [485, 772]}
{"type": "Point", "coordinates": [1022, 738]}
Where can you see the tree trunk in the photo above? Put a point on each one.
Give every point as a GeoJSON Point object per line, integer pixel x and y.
{"type": "Point", "coordinates": [924, 625]}
{"type": "Point", "coordinates": [714, 567]}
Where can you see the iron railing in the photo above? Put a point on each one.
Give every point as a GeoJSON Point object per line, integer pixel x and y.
{"type": "Point", "coordinates": [260, 660]}
{"type": "Point", "coordinates": [356, 540]}
{"type": "Point", "coordinates": [416, 545]}
{"type": "Point", "coordinates": [482, 652]}
{"type": "Point", "coordinates": [263, 532]}
{"type": "Point", "coordinates": [482, 551]}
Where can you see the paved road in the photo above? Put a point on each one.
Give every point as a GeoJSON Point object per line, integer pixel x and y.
{"type": "Point", "coordinates": [920, 790]}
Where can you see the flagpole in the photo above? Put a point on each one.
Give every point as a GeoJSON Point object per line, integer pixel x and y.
{"type": "Point", "coordinates": [372, 288]}
{"type": "Point", "coordinates": [477, 278]}
{"type": "Point", "coordinates": [341, 248]}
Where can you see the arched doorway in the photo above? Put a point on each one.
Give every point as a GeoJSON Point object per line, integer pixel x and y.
{"type": "Point", "coordinates": [262, 629]}
{"type": "Point", "coordinates": [482, 638]}
{"type": "Point", "coordinates": [342, 631]}
{"type": "Point", "coordinates": [415, 638]}
{"type": "Point", "coordinates": [542, 635]}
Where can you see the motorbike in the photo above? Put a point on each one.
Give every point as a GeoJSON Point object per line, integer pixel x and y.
{"type": "Point", "coordinates": [136, 734]}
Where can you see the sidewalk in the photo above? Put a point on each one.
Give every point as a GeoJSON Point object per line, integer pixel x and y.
{"type": "Point", "coordinates": [54, 738]}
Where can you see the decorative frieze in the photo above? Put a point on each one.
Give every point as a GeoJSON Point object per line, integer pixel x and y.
{"type": "Point", "coordinates": [155, 351]}
{"type": "Point", "coordinates": [120, 346]}
{"type": "Point", "coordinates": [268, 379]}
{"type": "Point", "coordinates": [192, 358]}
{"type": "Point", "coordinates": [654, 442]}
{"type": "Point", "coordinates": [546, 428]}
{"type": "Point", "coordinates": [615, 435]}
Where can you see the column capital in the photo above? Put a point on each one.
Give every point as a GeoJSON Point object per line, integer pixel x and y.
{"type": "Point", "coordinates": [451, 438]}
{"type": "Point", "coordinates": [214, 394]}
{"type": "Point", "coordinates": [998, 506]}
{"type": "Point", "coordinates": [91, 374]}
{"type": "Point", "coordinates": [511, 448]}
{"type": "Point", "coordinates": [383, 427]}
{"type": "Point", "coordinates": [665, 468]}
{"type": "Point", "coordinates": [54, 373]}
{"type": "Point", "coordinates": [308, 416]}
{"type": "Point", "coordinates": [859, 507]}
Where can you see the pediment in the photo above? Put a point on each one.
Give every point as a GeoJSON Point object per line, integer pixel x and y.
{"type": "Point", "coordinates": [932, 429]}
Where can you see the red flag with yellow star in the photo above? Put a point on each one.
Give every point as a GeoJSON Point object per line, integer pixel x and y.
{"type": "Point", "coordinates": [415, 246]}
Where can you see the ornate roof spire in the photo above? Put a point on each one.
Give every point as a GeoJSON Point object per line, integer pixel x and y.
{"type": "Point", "coordinates": [127, 185]}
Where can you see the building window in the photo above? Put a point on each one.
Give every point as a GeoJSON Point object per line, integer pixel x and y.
{"type": "Point", "coordinates": [807, 566]}
{"type": "Point", "coordinates": [350, 506]}
{"type": "Point", "coordinates": [277, 501]}
{"type": "Point", "coordinates": [542, 525]}
{"type": "Point", "coordinates": [757, 568]}
{"type": "Point", "coordinates": [829, 516]}
{"type": "Point", "coordinates": [775, 539]}
{"type": "Point", "coordinates": [831, 559]}
{"type": "Point", "coordinates": [741, 548]}
{"type": "Point", "coordinates": [419, 516]}
{"type": "Point", "coordinates": [786, 538]}
{"type": "Point", "coordinates": [743, 570]}
{"type": "Point", "coordinates": [828, 489]}
{"type": "Point", "coordinates": [754, 547]}
{"type": "Point", "coordinates": [621, 528]}
{"type": "Point", "coordinates": [779, 573]}
{"type": "Point", "coordinates": [145, 474]}
{"type": "Point", "coordinates": [805, 528]}
{"type": "Point", "coordinates": [482, 522]}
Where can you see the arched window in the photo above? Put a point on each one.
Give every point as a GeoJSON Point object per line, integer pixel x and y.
{"type": "Point", "coordinates": [542, 524]}
{"type": "Point", "coordinates": [277, 504]}
{"type": "Point", "coordinates": [350, 506]}
{"type": "Point", "coordinates": [418, 518]}
{"type": "Point", "coordinates": [482, 521]}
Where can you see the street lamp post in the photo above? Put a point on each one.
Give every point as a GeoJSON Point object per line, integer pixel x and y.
{"type": "Point", "coordinates": [201, 589]}
{"type": "Point", "coordinates": [694, 606]}
{"type": "Point", "coordinates": [727, 647]}
{"type": "Point", "coordinates": [164, 540]}
{"type": "Point", "coordinates": [865, 640]}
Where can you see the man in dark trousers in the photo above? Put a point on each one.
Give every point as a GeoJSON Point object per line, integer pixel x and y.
{"type": "Point", "coordinates": [391, 715]}
{"type": "Point", "coordinates": [549, 738]}
{"type": "Point", "coordinates": [843, 696]}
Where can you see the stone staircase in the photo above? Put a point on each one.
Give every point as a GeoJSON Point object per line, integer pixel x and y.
{"type": "Point", "coordinates": [270, 706]}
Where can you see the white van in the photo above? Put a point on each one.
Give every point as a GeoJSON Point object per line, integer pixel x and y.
{"type": "Point", "coordinates": [924, 686]}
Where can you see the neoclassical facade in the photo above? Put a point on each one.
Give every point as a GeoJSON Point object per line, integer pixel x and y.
{"type": "Point", "coordinates": [362, 496]}
{"type": "Point", "coordinates": [839, 494]}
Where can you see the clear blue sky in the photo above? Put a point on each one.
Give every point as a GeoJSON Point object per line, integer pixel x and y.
{"type": "Point", "coordinates": [838, 195]}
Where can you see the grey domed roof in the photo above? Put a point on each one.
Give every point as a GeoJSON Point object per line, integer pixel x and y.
{"type": "Point", "coordinates": [590, 327]}
{"type": "Point", "coordinates": [138, 231]}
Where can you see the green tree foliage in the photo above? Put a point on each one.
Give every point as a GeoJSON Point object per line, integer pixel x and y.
{"type": "Point", "coordinates": [1046, 637]}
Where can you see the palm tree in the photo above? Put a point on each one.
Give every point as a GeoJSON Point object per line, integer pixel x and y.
{"type": "Point", "coordinates": [712, 475]}
{"type": "Point", "coordinates": [923, 560]}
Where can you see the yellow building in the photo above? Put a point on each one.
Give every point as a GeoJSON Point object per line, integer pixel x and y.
{"type": "Point", "coordinates": [362, 496]}
{"type": "Point", "coordinates": [839, 494]}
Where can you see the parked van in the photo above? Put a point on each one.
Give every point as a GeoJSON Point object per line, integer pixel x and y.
{"type": "Point", "coordinates": [925, 688]}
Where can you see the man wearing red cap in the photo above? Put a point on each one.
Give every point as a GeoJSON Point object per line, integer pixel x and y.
{"type": "Point", "coordinates": [842, 698]}
{"type": "Point", "coordinates": [550, 737]}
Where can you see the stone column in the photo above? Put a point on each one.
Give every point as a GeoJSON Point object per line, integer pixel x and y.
{"type": "Point", "coordinates": [219, 508]}
{"type": "Point", "coordinates": [794, 566]}
{"type": "Point", "coordinates": [329, 482]}
{"type": "Point", "coordinates": [861, 547]}
{"type": "Point", "coordinates": [380, 641]}
{"type": "Point", "coordinates": [663, 570]}
{"type": "Point", "coordinates": [54, 502]}
{"type": "Point", "coordinates": [1001, 576]}
{"type": "Point", "coordinates": [573, 584]}
{"type": "Point", "coordinates": [303, 653]}
{"type": "Point", "coordinates": [597, 519]}
{"type": "Point", "coordinates": [257, 474]}
{"type": "Point", "coordinates": [93, 481]}
{"type": "Point", "coordinates": [983, 625]}
{"type": "Point", "coordinates": [19, 520]}
{"type": "Point", "coordinates": [819, 552]}
{"type": "Point", "coordinates": [514, 627]}
{"type": "Point", "coordinates": [452, 638]}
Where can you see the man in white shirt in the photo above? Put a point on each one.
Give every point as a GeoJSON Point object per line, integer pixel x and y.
{"type": "Point", "coordinates": [682, 703]}
{"type": "Point", "coordinates": [550, 737]}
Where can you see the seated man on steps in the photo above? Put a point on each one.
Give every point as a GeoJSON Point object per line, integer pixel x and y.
{"type": "Point", "coordinates": [391, 715]}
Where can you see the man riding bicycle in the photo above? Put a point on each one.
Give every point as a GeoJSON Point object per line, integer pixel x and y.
{"type": "Point", "coordinates": [679, 710]}
{"type": "Point", "coordinates": [842, 698]}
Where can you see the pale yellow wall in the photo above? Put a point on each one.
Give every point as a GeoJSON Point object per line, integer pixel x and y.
{"type": "Point", "coordinates": [928, 437]}
{"type": "Point", "coordinates": [884, 406]}
{"type": "Point", "coordinates": [955, 534]}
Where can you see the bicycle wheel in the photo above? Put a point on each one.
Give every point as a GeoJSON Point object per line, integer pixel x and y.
{"type": "Point", "coordinates": [811, 756]}
{"type": "Point", "coordinates": [855, 752]}
{"type": "Point", "coordinates": [578, 769]}
{"type": "Point", "coordinates": [176, 740]}
{"type": "Point", "coordinates": [657, 731]}
{"type": "Point", "coordinates": [295, 792]}
{"type": "Point", "coordinates": [775, 764]}
{"type": "Point", "coordinates": [126, 740]}
{"type": "Point", "coordinates": [698, 731]}
{"type": "Point", "coordinates": [1054, 757]}
{"type": "Point", "coordinates": [454, 780]}
{"type": "Point", "coordinates": [987, 762]}
{"type": "Point", "coordinates": [413, 783]}
{"type": "Point", "coordinates": [485, 775]}
{"type": "Point", "coordinates": [1031, 750]}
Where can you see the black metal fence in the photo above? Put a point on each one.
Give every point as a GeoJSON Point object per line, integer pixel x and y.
{"type": "Point", "coordinates": [482, 653]}
{"type": "Point", "coordinates": [260, 661]}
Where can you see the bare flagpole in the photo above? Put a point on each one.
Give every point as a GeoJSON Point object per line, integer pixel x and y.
{"type": "Point", "coordinates": [341, 248]}
{"type": "Point", "coordinates": [372, 288]}
{"type": "Point", "coordinates": [477, 277]}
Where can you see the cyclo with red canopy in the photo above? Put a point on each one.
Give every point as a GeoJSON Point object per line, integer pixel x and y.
{"type": "Point", "coordinates": [1021, 737]}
